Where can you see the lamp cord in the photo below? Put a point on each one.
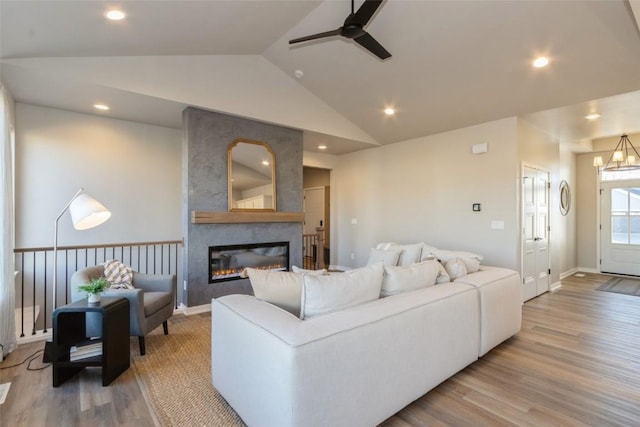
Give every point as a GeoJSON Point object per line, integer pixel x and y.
{"type": "Point", "coordinates": [31, 358]}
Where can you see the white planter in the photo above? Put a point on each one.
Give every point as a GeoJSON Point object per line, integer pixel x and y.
{"type": "Point", "coordinates": [93, 298]}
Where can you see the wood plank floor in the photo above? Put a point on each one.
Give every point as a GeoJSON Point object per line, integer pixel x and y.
{"type": "Point", "coordinates": [576, 362]}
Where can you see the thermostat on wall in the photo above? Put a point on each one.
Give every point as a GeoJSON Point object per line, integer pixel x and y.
{"type": "Point", "coordinates": [476, 207]}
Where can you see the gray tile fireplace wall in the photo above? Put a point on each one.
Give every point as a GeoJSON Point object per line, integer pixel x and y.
{"type": "Point", "coordinates": [207, 136]}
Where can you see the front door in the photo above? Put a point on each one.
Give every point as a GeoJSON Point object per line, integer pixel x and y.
{"type": "Point", "coordinates": [620, 227]}
{"type": "Point", "coordinates": [535, 232]}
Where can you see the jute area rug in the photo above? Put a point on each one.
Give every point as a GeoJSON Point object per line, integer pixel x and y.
{"type": "Point", "coordinates": [621, 285]}
{"type": "Point", "coordinates": [175, 375]}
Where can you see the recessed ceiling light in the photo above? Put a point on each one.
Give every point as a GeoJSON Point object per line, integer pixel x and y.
{"type": "Point", "coordinates": [322, 147]}
{"type": "Point", "coordinates": [389, 111]}
{"type": "Point", "coordinates": [541, 62]}
{"type": "Point", "coordinates": [266, 163]}
{"type": "Point", "coordinates": [592, 116]}
{"type": "Point", "coordinates": [115, 15]}
{"type": "Point", "coordinates": [101, 107]}
{"type": "Point", "coordinates": [298, 73]}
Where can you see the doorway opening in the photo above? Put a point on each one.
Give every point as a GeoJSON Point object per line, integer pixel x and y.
{"type": "Point", "coordinates": [317, 217]}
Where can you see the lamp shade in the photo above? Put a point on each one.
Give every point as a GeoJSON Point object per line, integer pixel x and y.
{"type": "Point", "coordinates": [87, 212]}
{"type": "Point", "coordinates": [597, 161]}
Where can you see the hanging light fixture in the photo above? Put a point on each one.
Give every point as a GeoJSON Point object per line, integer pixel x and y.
{"type": "Point", "coordinates": [625, 157]}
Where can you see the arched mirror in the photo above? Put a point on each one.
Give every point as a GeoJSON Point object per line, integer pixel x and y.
{"type": "Point", "coordinates": [252, 176]}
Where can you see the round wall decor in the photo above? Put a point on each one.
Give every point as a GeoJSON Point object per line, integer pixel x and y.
{"type": "Point", "coordinates": [565, 197]}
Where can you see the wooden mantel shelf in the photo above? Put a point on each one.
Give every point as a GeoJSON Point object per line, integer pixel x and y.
{"type": "Point", "coordinates": [213, 217]}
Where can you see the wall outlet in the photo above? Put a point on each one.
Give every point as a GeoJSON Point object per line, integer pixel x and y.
{"type": "Point", "coordinates": [354, 221]}
{"type": "Point", "coordinates": [497, 225]}
{"type": "Point", "coordinates": [184, 285]}
{"type": "Point", "coordinates": [353, 256]}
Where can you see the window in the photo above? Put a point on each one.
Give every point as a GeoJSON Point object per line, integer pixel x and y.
{"type": "Point", "coordinates": [625, 216]}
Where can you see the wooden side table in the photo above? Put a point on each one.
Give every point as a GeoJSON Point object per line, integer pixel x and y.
{"type": "Point", "coordinates": [69, 329]}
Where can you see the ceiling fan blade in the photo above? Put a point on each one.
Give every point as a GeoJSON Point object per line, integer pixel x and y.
{"type": "Point", "coordinates": [316, 36]}
{"type": "Point", "coordinates": [372, 46]}
{"type": "Point", "coordinates": [366, 11]}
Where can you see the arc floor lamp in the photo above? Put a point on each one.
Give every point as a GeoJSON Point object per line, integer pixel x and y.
{"type": "Point", "coordinates": [86, 212]}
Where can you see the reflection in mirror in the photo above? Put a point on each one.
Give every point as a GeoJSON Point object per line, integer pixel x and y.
{"type": "Point", "coordinates": [252, 180]}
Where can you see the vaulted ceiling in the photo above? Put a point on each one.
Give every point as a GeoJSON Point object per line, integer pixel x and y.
{"type": "Point", "coordinates": [454, 64]}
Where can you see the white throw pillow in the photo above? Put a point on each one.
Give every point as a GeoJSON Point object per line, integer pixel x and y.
{"type": "Point", "coordinates": [386, 256]}
{"type": "Point", "coordinates": [443, 276]}
{"type": "Point", "coordinates": [321, 272]}
{"type": "Point", "coordinates": [280, 288]}
{"type": "Point", "coordinates": [471, 260]}
{"type": "Point", "coordinates": [427, 252]}
{"type": "Point", "coordinates": [455, 268]}
{"type": "Point", "coordinates": [325, 294]}
{"type": "Point", "coordinates": [410, 253]}
{"type": "Point", "coordinates": [404, 279]}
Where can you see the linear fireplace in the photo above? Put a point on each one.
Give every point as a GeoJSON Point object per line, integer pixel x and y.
{"type": "Point", "coordinates": [227, 262]}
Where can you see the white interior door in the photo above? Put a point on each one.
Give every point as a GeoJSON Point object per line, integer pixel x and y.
{"type": "Point", "coordinates": [535, 232]}
{"type": "Point", "coordinates": [620, 227]}
{"type": "Point", "coordinates": [313, 209]}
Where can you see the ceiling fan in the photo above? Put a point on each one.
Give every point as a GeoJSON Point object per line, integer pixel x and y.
{"type": "Point", "coordinates": [353, 28]}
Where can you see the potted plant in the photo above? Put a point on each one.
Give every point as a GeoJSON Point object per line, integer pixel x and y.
{"type": "Point", "coordinates": [94, 288]}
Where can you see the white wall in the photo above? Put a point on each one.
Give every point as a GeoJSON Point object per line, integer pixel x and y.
{"type": "Point", "coordinates": [423, 190]}
{"type": "Point", "coordinates": [132, 168]}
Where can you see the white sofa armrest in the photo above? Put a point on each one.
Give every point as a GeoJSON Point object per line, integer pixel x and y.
{"type": "Point", "coordinates": [500, 297]}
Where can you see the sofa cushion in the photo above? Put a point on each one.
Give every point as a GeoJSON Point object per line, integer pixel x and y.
{"type": "Point", "coordinates": [386, 256]}
{"type": "Point", "coordinates": [325, 294]}
{"type": "Point", "coordinates": [410, 253]}
{"type": "Point", "coordinates": [280, 288]}
{"type": "Point", "coordinates": [398, 279]}
{"type": "Point", "coordinates": [455, 268]}
{"type": "Point", "coordinates": [154, 301]}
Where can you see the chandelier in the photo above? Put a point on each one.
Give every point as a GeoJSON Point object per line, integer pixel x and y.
{"type": "Point", "coordinates": [624, 157]}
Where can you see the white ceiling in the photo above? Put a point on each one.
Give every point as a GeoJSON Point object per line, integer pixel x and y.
{"type": "Point", "coordinates": [454, 64]}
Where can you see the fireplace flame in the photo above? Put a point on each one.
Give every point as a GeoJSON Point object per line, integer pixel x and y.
{"type": "Point", "coordinates": [240, 271]}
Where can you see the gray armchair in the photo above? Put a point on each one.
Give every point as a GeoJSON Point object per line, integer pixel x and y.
{"type": "Point", "coordinates": [150, 303]}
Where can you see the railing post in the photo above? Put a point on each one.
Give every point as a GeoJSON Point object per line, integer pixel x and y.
{"type": "Point", "coordinates": [320, 248]}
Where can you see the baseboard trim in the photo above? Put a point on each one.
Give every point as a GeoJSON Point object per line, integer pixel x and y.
{"type": "Point", "coordinates": [589, 270]}
{"type": "Point", "coordinates": [569, 273]}
{"type": "Point", "coordinates": [196, 309]}
{"type": "Point", "coordinates": [555, 286]}
{"type": "Point", "coordinates": [39, 336]}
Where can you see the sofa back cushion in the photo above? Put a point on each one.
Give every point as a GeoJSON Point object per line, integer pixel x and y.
{"type": "Point", "coordinates": [325, 294]}
{"type": "Point", "coordinates": [399, 279]}
{"type": "Point", "coordinates": [280, 288]}
{"type": "Point", "coordinates": [386, 256]}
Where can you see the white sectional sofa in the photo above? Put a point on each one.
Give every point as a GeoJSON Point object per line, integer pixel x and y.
{"type": "Point", "coordinates": [360, 365]}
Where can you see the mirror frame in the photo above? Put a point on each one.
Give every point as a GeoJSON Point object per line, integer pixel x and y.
{"type": "Point", "coordinates": [230, 175]}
